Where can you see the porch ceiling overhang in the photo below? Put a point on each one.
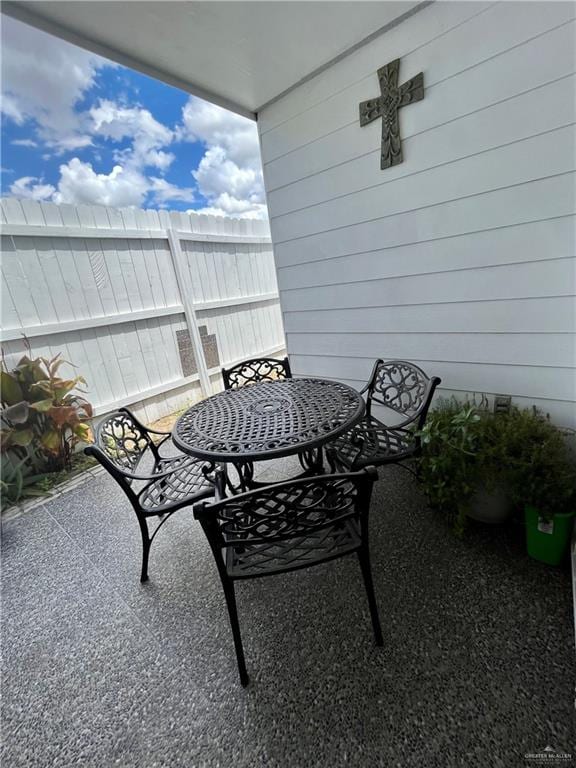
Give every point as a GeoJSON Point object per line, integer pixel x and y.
{"type": "Point", "coordinates": [240, 55]}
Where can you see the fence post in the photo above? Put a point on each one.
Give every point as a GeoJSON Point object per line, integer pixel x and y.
{"type": "Point", "coordinates": [189, 311]}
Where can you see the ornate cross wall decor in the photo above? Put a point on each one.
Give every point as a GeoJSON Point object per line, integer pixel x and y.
{"type": "Point", "coordinates": [387, 105]}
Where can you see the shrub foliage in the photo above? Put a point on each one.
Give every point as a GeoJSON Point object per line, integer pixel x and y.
{"type": "Point", "coordinates": [521, 453]}
{"type": "Point", "coordinates": [42, 419]}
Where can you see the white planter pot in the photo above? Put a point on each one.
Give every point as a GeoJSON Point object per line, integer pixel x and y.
{"type": "Point", "coordinates": [490, 506]}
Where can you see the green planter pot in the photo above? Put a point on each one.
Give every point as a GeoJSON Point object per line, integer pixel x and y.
{"type": "Point", "coordinates": [548, 542]}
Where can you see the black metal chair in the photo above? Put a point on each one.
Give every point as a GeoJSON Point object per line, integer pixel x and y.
{"type": "Point", "coordinates": [285, 527]}
{"type": "Point", "coordinates": [255, 370]}
{"type": "Point", "coordinates": [121, 443]}
{"type": "Point", "coordinates": [402, 387]}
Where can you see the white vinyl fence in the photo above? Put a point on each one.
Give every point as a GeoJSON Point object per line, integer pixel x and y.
{"type": "Point", "coordinates": [148, 305]}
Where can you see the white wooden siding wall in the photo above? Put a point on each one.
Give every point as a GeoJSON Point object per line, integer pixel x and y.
{"type": "Point", "coordinates": [461, 258]}
{"type": "Point", "coordinates": [112, 304]}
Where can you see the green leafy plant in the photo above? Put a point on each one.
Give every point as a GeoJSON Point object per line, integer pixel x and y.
{"type": "Point", "coordinates": [17, 482]}
{"type": "Point", "coordinates": [43, 417]}
{"type": "Point", "coordinates": [450, 446]}
{"type": "Point", "coordinates": [466, 448]}
{"type": "Point", "coordinates": [43, 414]}
{"type": "Point", "coordinates": [540, 468]}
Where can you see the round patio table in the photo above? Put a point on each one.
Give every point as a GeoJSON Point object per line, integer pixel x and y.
{"type": "Point", "coordinates": [268, 420]}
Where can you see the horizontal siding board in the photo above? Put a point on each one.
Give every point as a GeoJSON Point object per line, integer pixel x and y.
{"type": "Point", "coordinates": [409, 36]}
{"type": "Point", "coordinates": [525, 280]}
{"type": "Point", "coordinates": [535, 201]}
{"type": "Point", "coordinates": [561, 412]}
{"type": "Point", "coordinates": [481, 46]}
{"type": "Point", "coordinates": [536, 158]}
{"type": "Point", "coordinates": [520, 117]}
{"type": "Point", "coordinates": [462, 256]}
{"type": "Point", "coordinates": [551, 315]}
{"type": "Point", "coordinates": [534, 241]}
{"type": "Point", "coordinates": [541, 349]}
{"type": "Point", "coordinates": [557, 383]}
{"type": "Point", "coordinates": [545, 60]}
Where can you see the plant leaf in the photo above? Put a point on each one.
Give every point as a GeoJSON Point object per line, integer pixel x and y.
{"type": "Point", "coordinates": [83, 432]}
{"type": "Point", "coordinates": [50, 440]}
{"type": "Point", "coordinates": [22, 437]}
{"type": "Point", "coordinates": [11, 389]}
{"type": "Point", "coordinates": [63, 414]}
{"type": "Point", "coordinates": [16, 414]}
{"type": "Point", "coordinates": [42, 406]}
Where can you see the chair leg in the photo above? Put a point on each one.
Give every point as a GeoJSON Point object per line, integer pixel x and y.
{"type": "Point", "coordinates": [230, 596]}
{"type": "Point", "coordinates": [364, 558]}
{"type": "Point", "coordinates": [146, 542]}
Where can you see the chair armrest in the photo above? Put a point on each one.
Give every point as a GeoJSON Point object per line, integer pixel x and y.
{"type": "Point", "coordinates": [98, 453]}
{"type": "Point", "coordinates": [153, 477]}
{"type": "Point", "coordinates": [143, 426]}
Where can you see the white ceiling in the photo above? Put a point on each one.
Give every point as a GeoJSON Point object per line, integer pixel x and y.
{"type": "Point", "coordinates": [237, 54]}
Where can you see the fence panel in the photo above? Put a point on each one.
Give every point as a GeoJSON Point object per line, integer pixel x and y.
{"type": "Point", "coordinates": [148, 305]}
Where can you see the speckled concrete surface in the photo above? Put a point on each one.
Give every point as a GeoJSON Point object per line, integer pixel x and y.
{"type": "Point", "coordinates": [99, 670]}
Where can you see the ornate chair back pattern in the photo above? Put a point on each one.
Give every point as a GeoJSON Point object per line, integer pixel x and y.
{"type": "Point", "coordinates": [123, 442]}
{"type": "Point", "coordinates": [253, 371]}
{"type": "Point", "coordinates": [292, 511]}
{"type": "Point", "coordinates": [401, 386]}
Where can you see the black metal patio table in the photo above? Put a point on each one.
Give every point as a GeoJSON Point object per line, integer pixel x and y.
{"type": "Point", "coordinates": [268, 420]}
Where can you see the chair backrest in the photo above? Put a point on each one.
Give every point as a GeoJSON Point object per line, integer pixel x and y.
{"type": "Point", "coordinates": [292, 510]}
{"type": "Point", "coordinates": [403, 387]}
{"type": "Point", "coordinates": [120, 442]}
{"type": "Point", "coordinates": [255, 370]}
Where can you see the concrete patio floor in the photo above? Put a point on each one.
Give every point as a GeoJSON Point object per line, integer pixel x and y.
{"type": "Point", "coordinates": [100, 670]}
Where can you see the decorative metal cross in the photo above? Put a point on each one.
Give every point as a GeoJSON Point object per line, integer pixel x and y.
{"type": "Point", "coordinates": [387, 105]}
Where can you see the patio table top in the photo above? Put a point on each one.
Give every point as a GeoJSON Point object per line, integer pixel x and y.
{"type": "Point", "coordinates": [268, 420]}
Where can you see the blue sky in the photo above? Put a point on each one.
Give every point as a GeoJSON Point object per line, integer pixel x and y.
{"type": "Point", "coordinates": [77, 128]}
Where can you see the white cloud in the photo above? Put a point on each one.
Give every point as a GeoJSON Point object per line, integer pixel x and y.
{"type": "Point", "coordinates": [70, 143]}
{"type": "Point", "coordinates": [10, 108]}
{"type": "Point", "coordinates": [124, 187]}
{"type": "Point", "coordinates": [229, 175]}
{"type": "Point", "coordinates": [44, 83]}
{"type": "Point", "coordinates": [43, 78]}
{"type": "Point", "coordinates": [25, 187]}
{"type": "Point", "coordinates": [117, 122]}
{"type": "Point", "coordinates": [79, 183]}
{"type": "Point", "coordinates": [217, 127]}
{"type": "Point", "coordinates": [165, 192]}
{"type": "Point", "coordinates": [254, 212]}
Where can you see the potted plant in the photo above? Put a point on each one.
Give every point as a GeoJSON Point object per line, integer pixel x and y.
{"type": "Point", "coordinates": [544, 483]}
{"type": "Point", "coordinates": [476, 464]}
{"type": "Point", "coordinates": [492, 499]}
{"type": "Point", "coordinates": [450, 440]}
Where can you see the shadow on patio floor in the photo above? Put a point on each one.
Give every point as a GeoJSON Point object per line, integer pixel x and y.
{"type": "Point", "coordinates": [100, 670]}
